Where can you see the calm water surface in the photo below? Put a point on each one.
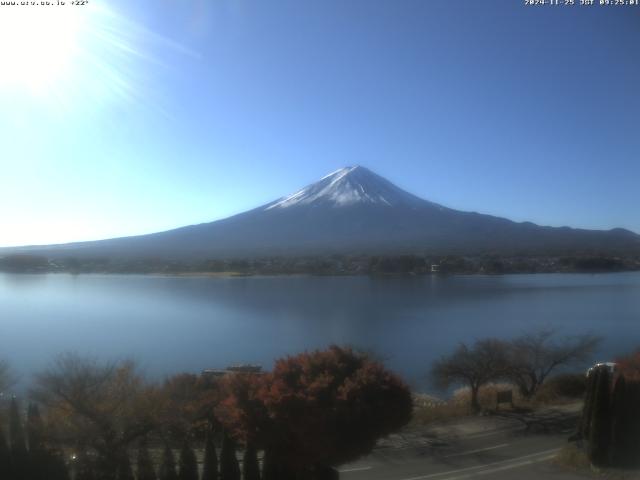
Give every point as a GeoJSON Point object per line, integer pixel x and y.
{"type": "Point", "coordinates": [187, 324]}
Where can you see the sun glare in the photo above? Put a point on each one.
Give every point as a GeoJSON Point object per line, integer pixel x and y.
{"type": "Point", "coordinates": [38, 44]}
{"type": "Point", "coordinates": [72, 57]}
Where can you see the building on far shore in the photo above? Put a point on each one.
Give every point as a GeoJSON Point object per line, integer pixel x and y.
{"type": "Point", "coordinates": [242, 368]}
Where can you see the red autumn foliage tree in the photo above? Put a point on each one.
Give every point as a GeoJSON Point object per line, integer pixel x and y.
{"type": "Point", "coordinates": [188, 401]}
{"type": "Point", "coordinates": [242, 411]}
{"type": "Point", "coordinates": [329, 407]}
{"type": "Point", "coordinates": [629, 366]}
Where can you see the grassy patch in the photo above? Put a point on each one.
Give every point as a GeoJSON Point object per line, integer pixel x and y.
{"type": "Point", "coordinates": [574, 458]}
{"type": "Point", "coordinates": [429, 409]}
{"type": "Point", "coordinates": [426, 414]}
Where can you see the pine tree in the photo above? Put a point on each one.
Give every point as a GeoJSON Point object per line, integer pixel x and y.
{"type": "Point", "coordinates": [274, 469]}
{"type": "Point", "coordinates": [168, 465]}
{"type": "Point", "coordinates": [250, 466]}
{"type": "Point", "coordinates": [35, 429]}
{"type": "Point", "coordinates": [17, 442]}
{"type": "Point", "coordinates": [56, 466]}
{"type": "Point", "coordinates": [625, 423]}
{"type": "Point", "coordinates": [600, 428]}
{"type": "Point", "coordinates": [16, 431]}
{"type": "Point", "coordinates": [38, 455]}
{"type": "Point", "coordinates": [123, 470]}
{"type": "Point", "coordinates": [229, 468]}
{"type": "Point", "coordinates": [632, 434]}
{"type": "Point", "coordinates": [269, 467]}
{"type": "Point", "coordinates": [84, 467]}
{"type": "Point", "coordinates": [5, 456]}
{"type": "Point", "coordinates": [587, 409]}
{"type": "Point", "coordinates": [44, 463]}
{"type": "Point", "coordinates": [188, 463]}
{"type": "Point", "coordinates": [144, 465]}
{"type": "Point", "coordinates": [210, 467]}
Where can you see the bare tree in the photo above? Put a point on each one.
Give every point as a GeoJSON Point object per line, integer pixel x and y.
{"type": "Point", "coordinates": [474, 366]}
{"type": "Point", "coordinates": [104, 407]}
{"type": "Point", "coordinates": [534, 355]}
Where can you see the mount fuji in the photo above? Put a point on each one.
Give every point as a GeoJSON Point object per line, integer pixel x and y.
{"type": "Point", "coordinates": [351, 210]}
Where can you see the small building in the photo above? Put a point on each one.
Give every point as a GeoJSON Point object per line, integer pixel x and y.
{"type": "Point", "coordinates": [240, 368]}
{"type": "Point", "coordinates": [245, 368]}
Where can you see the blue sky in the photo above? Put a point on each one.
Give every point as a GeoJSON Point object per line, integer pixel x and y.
{"type": "Point", "coordinates": [155, 114]}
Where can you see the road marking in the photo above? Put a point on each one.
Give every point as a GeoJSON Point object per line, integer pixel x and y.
{"type": "Point", "coordinates": [354, 469]}
{"type": "Point", "coordinates": [502, 462]}
{"type": "Point", "coordinates": [500, 469]}
{"type": "Point", "coordinates": [469, 452]}
{"type": "Point", "coordinates": [427, 439]}
{"type": "Point", "coordinates": [493, 432]}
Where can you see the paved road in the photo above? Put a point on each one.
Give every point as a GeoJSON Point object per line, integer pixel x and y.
{"type": "Point", "coordinates": [511, 452]}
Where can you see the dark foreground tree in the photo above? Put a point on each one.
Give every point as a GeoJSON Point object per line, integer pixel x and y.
{"type": "Point", "coordinates": [5, 456]}
{"type": "Point", "coordinates": [584, 424]}
{"type": "Point", "coordinates": [600, 425]}
{"type": "Point", "coordinates": [168, 466]}
{"type": "Point", "coordinates": [250, 466]}
{"type": "Point", "coordinates": [39, 456]}
{"type": "Point", "coordinates": [275, 469]}
{"type": "Point", "coordinates": [625, 448]}
{"type": "Point", "coordinates": [632, 428]}
{"type": "Point", "coordinates": [229, 468]}
{"type": "Point", "coordinates": [475, 366]}
{"type": "Point", "coordinates": [619, 422]}
{"type": "Point", "coordinates": [210, 466]}
{"type": "Point", "coordinates": [18, 443]}
{"type": "Point", "coordinates": [330, 407]}
{"type": "Point", "coordinates": [611, 418]}
{"type": "Point", "coordinates": [144, 465]}
{"type": "Point", "coordinates": [188, 463]}
{"type": "Point", "coordinates": [124, 471]}
{"type": "Point", "coordinates": [84, 467]}
{"type": "Point", "coordinates": [56, 466]}
{"type": "Point", "coordinates": [535, 355]}
{"type": "Point", "coordinates": [269, 467]}
{"type": "Point", "coordinates": [35, 429]}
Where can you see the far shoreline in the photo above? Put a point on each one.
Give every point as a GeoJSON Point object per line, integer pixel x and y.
{"type": "Point", "coordinates": [310, 275]}
{"type": "Point", "coordinates": [363, 264]}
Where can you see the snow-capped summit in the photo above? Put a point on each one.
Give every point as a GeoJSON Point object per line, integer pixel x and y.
{"type": "Point", "coordinates": [349, 186]}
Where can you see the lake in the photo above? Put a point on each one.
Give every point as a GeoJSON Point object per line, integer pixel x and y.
{"type": "Point", "coordinates": [172, 324]}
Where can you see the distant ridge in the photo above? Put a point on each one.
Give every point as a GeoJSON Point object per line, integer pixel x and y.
{"type": "Point", "coordinates": [351, 211]}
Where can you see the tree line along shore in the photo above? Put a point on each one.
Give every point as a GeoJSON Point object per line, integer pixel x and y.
{"type": "Point", "coordinates": [329, 264]}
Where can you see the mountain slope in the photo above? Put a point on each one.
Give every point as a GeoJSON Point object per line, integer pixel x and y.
{"type": "Point", "coordinates": [353, 210]}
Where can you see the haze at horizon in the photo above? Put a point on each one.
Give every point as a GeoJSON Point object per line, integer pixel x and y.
{"type": "Point", "coordinates": [189, 112]}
